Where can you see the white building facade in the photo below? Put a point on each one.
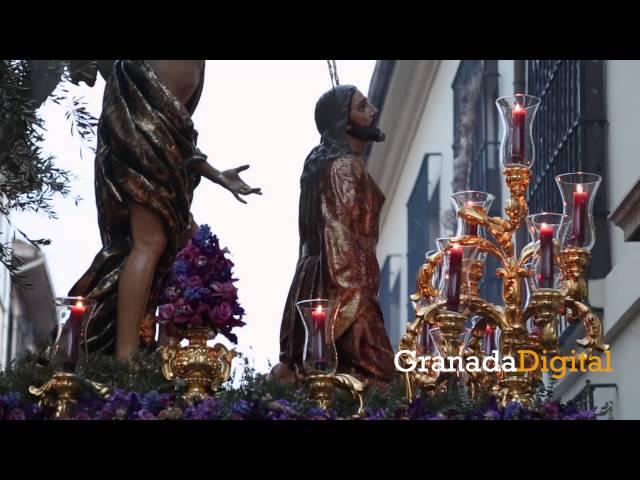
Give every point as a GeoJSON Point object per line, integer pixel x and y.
{"type": "Point", "coordinates": [438, 114]}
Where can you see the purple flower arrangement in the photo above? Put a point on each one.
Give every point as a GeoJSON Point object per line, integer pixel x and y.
{"type": "Point", "coordinates": [200, 291]}
{"type": "Point", "coordinates": [169, 406]}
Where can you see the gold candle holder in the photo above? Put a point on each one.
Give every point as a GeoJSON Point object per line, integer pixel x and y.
{"type": "Point", "coordinates": [203, 368]}
{"type": "Point", "coordinates": [545, 306]}
{"type": "Point", "coordinates": [62, 391]}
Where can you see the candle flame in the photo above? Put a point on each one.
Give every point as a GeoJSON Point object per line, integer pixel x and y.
{"type": "Point", "coordinates": [579, 188]}
{"type": "Point", "coordinates": [544, 225]}
{"type": "Point", "coordinates": [455, 246]}
{"type": "Point", "coordinates": [79, 303]}
{"type": "Point", "coordinates": [518, 107]}
{"type": "Point", "coordinates": [319, 309]}
{"type": "Point", "coordinates": [468, 204]}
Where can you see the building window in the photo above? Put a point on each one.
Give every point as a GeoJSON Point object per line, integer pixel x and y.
{"type": "Point", "coordinates": [423, 217]}
{"type": "Point", "coordinates": [476, 146]}
{"type": "Point", "coordinates": [570, 135]}
{"type": "Point", "coordinates": [390, 297]}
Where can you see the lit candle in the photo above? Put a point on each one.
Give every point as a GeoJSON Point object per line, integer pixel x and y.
{"type": "Point", "coordinates": [455, 274]}
{"type": "Point", "coordinates": [319, 317]}
{"type": "Point", "coordinates": [73, 336]}
{"type": "Point", "coordinates": [473, 227]}
{"type": "Point", "coordinates": [579, 220]}
{"type": "Point", "coordinates": [546, 256]}
{"type": "Point", "coordinates": [518, 121]}
{"type": "Point", "coordinates": [490, 340]}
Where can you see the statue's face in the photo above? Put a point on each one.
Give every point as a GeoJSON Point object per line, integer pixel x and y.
{"type": "Point", "coordinates": [362, 112]}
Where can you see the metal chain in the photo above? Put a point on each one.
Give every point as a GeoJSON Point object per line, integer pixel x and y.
{"type": "Point", "coordinates": [333, 72]}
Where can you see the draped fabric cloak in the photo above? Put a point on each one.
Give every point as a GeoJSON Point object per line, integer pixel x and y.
{"type": "Point", "coordinates": [145, 153]}
{"type": "Point", "coordinates": [338, 225]}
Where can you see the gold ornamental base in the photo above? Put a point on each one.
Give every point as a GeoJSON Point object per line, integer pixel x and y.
{"type": "Point", "coordinates": [62, 391]}
{"type": "Point", "coordinates": [321, 388]}
{"type": "Point", "coordinates": [203, 368]}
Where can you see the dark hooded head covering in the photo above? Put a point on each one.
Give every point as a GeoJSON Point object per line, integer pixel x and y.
{"type": "Point", "coordinates": [333, 111]}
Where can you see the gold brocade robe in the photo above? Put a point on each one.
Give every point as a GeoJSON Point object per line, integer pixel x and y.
{"type": "Point", "coordinates": [338, 221]}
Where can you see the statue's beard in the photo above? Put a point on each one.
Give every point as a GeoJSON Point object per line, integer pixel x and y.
{"type": "Point", "coordinates": [366, 134]}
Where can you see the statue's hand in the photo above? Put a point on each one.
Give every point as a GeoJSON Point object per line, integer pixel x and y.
{"type": "Point", "coordinates": [230, 179]}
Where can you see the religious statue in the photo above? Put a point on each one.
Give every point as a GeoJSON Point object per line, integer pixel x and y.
{"type": "Point", "coordinates": [146, 169]}
{"type": "Point", "coordinates": [338, 224]}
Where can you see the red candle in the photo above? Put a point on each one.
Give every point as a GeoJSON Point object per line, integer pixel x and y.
{"type": "Point", "coordinates": [546, 256]}
{"type": "Point", "coordinates": [518, 121]}
{"type": "Point", "coordinates": [426, 339]}
{"type": "Point", "coordinates": [489, 339]}
{"type": "Point", "coordinates": [319, 317]}
{"type": "Point", "coordinates": [473, 228]}
{"type": "Point", "coordinates": [580, 199]}
{"type": "Point", "coordinates": [74, 328]}
{"type": "Point", "coordinates": [455, 274]}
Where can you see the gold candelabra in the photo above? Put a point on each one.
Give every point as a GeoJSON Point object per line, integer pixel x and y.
{"type": "Point", "coordinates": [547, 303]}
{"type": "Point", "coordinates": [62, 391]}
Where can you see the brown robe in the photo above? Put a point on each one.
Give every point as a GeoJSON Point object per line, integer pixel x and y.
{"type": "Point", "coordinates": [338, 225]}
{"type": "Point", "coordinates": [146, 148]}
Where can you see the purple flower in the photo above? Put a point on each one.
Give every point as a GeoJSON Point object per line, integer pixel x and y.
{"type": "Point", "coordinates": [13, 400]}
{"type": "Point", "coordinates": [241, 408]}
{"type": "Point", "coordinates": [226, 290]}
{"type": "Point", "coordinates": [193, 281]}
{"type": "Point", "coordinates": [145, 414]}
{"type": "Point", "coordinates": [183, 308]}
{"type": "Point", "coordinates": [203, 234]}
{"type": "Point", "coordinates": [222, 312]}
{"type": "Point", "coordinates": [190, 252]}
{"type": "Point", "coordinates": [171, 293]}
{"type": "Point", "coordinates": [16, 414]}
{"type": "Point", "coordinates": [512, 411]}
{"type": "Point", "coordinates": [380, 414]}
{"type": "Point", "coordinates": [492, 415]}
{"type": "Point", "coordinates": [166, 399]}
{"type": "Point", "coordinates": [192, 294]}
{"type": "Point", "coordinates": [200, 288]}
{"type": "Point", "coordinates": [201, 261]}
{"type": "Point", "coordinates": [586, 415]}
{"type": "Point", "coordinates": [151, 401]}
{"type": "Point", "coordinates": [181, 320]}
{"type": "Point", "coordinates": [107, 412]}
{"type": "Point", "coordinates": [180, 267]}
{"type": "Point", "coordinates": [167, 311]}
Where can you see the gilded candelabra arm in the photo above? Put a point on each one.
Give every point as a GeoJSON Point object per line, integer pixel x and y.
{"type": "Point", "coordinates": [414, 379]}
{"type": "Point", "coordinates": [226, 357]}
{"type": "Point", "coordinates": [594, 338]}
{"type": "Point", "coordinates": [167, 354]}
{"type": "Point", "coordinates": [480, 306]}
{"type": "Point", "coordinates": [424, 282]}
{"type": "Point", "coordinates": [354, 386]}
{"type": "Point", "coordinates": [100, 390]}
{"type": "Point", "coordinates": [483, 245]}
{"type": "Point", "coordinates": [529, 312]}
{"type": "Point", "coordinates": [322, 386]}
{"type": "Point", "coordinates": [498, 227]}
{"type": "Point", "coordinates": [423, 314]}
{"type": "Point", "coordinates": [516, 208]}
{"type": "Point", "coordinates": [574, 262]}
{"type": "Point", "coordinates": [526, 254]}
